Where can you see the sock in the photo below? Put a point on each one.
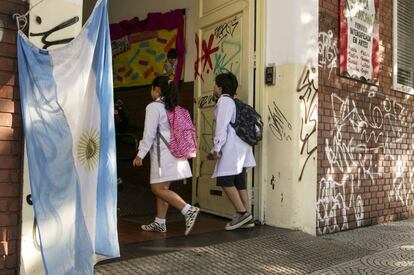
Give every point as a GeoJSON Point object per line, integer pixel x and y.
{"type": "Point", "coordinates": [242, 212]}
{"type": "Point", "coordinates": [159, 221]}
{"type": "Point", "coordinates": [185, 209]}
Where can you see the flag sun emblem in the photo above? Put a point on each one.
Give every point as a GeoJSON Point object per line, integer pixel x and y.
{"type": "Point", "coordinates": [88, 149]}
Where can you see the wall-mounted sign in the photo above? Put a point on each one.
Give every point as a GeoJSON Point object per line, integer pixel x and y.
{"type": "Point", "coordinates": [359, 41]}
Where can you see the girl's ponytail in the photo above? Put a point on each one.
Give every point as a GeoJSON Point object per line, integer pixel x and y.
{"type": "Point", "coordinates": [171, 97]}
{"type": "Point", "coordinates": [168, 91]}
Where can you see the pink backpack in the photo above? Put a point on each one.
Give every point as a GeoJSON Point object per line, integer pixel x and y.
{"type": "Point", "coordinates": [183, 142]}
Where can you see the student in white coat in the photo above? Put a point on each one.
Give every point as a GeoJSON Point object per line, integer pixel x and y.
{"type": "Point", "coordinates": [164, 167]}
{"type": "Point", "coordinates": [233, 155]}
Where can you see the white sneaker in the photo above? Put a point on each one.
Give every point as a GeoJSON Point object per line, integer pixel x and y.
{"type": "Point", "coordinates": [154, 227]}
{"type": "Point", "coordinates": [190, 218]}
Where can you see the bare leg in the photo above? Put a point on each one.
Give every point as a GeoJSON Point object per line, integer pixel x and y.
{"type": "Point", "coordinates": [161, 190]}
{"type": "Point", "coordinates": [244, 196]}
{"type": "Point", "coordinates": [162, 208]}
{"type": "Point", "coordinates": [235, 198]}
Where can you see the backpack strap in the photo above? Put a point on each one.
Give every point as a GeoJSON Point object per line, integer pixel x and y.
{"type": "Point", "coordinates": [159, 138]}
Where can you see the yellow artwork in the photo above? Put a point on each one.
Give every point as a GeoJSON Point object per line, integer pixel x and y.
{"type": "Point", "coordinates": [141, 56]}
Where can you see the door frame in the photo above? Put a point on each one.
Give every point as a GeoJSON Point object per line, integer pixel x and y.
{"type": "Point", "coordinates": [259, 172]}
{"type": "Point", "coordinates": [257, 99]}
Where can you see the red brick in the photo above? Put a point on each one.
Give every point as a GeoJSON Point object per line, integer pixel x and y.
{"type": "Point", "coordinates": [9, 36]}
{"type": "Point", "coordinates": [6, 22]}
{"type": "Point", "coordinates": [4, 248]}
{"type": "Point", "coordinates": [6, 120]}
{"type": "Point", "coordinates": [3, 233]}
{"type": "Point", "coordinates": [8, 219]}
{"type": "Point", "coordinates": [7, 133]}
{"type": "Point", "coordinates": [9, 162]}
{"type": "Point", "coordinates": [15, 176]}
{"type": "Point", "coordinates": [16, 93]}
{"type": "Point", "coordinates": [375, 194]}
{"type": "Point", "coordinates": [8, 50]}
{"type": "Point", "coordinates": [5, 148]}
{"type": "Point", "coordinates": [6, 92]}
{"type": "Point", "coordinates": [16, 148]}
{"type": "Point", "coordinates": [13, 233]}
{"type": "Point", "coordinates": [9, 189]}
{"type": "Point", "coordinates": [11, 261]}
{"type": "Point", "coordinates": [2, 265]}
{"type": "Point", "coordinates": [14, 204]}
{"type": "Point", "coordinates": [4, 175]}
{"type": "Point", "coordinates": [7, 64]}
{"type": "Point", "coordinates": [10, 8]}
{"type": "Point", "coordinates": [7, 106]}
{"type": "Point", "coordinates": [13, 247]}
{"type": "Point", "coordinates": [3, 205]}
{"type": "Point", "coordinates": [7, 78]}
{"type": "Point", "coordinates": [8, 272]}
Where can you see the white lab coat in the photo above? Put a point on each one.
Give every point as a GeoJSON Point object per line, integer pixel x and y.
{"type": "Point", "coordinates": [236, 154]}
{"type": "Point", "coordinates": [171, 168]}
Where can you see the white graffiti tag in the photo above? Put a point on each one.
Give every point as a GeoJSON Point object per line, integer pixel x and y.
{"type": "Point", "coordinates": [365, 135]}
{"type": "Point", "coordinates": [333, 204]}
{"type": "Point", "coordinates": [328, 51]}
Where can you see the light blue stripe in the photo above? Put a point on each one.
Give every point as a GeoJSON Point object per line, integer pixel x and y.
{"type": "Point", "coordinates": [53, 178]}
{"type": "Point", "coordinates": [106, 222]}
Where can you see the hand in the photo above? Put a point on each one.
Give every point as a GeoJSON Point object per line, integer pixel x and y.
{"type": "Point", "coordinates": [137, 162]}
{"type": "Point", "coordinates": [213, 156]}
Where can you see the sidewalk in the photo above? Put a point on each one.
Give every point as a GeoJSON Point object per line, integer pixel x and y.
{"type": "Point", "coordinates": [381, 249]}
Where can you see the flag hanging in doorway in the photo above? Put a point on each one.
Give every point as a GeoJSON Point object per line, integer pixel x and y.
{"type": "Point", "coordinates": [67, 107]}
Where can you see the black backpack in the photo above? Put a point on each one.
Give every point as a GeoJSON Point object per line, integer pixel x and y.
{"type": "Point", "coordinates": [248, 124]}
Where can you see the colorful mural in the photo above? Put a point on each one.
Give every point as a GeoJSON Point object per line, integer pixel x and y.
{"type": "Point", "coordinates": [145, 49]}
{"type": "Point", "coordinates": [138, 58]}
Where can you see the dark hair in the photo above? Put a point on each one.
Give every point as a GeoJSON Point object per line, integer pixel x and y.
{"type": "Point", "coordinates": [228, 82]}
{"type": "Point", "coordinates": [172, 53]}
{"type": "Point", "coordinates": [168, 91]}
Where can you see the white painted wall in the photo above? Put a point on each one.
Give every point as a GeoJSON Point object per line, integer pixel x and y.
{"type": "Point", "coordinates": [291, 44]}
{"type": "Point", "coordinates": [127, 9]}
{"type": "Point", "coordinates": [52, 14]}
{"type": "Point", "coordinates": [292, 32]}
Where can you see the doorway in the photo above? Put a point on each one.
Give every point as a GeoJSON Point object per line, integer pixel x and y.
{"type": "Point", "coordinates": [136, 203]}
{"type": "Point", "coordinates": [230, 22]}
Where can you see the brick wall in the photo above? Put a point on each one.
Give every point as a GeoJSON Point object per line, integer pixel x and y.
{"type": "Point", "coordinates": [10, 141]}
{"type": "Point", "coordinates": [365, 137]}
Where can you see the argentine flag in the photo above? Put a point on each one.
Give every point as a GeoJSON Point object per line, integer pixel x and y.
{"type": "Point", "coordinates": [67, 106]}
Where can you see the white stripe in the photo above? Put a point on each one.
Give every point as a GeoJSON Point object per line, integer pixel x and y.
{"type": "Point", "coordinates": [76, 93]}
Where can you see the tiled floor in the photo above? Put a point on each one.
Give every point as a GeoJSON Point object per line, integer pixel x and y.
{"type": "Point", "coordinates": [378, 250]}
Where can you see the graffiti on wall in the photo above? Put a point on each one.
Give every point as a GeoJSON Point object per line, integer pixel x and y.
{"type": "Point", "coordinates": [219, 50]}
{"type": "Point", "coordinates": [358, 150]}
{"type": "Point", "coordinates": [207, 101]}
{"type": "Point", "coordinates": [45, 35]}
{"type": "Point", "coordinates": [279, 125]}
{"type": "Point", "coordinates": [226, 29]}
{"type": "Point", "coordinates": [328, 51]}
{"type": "Point", "coordinates": [308, 96]}
{"type": "Point", "coordinates": [207, 133]}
